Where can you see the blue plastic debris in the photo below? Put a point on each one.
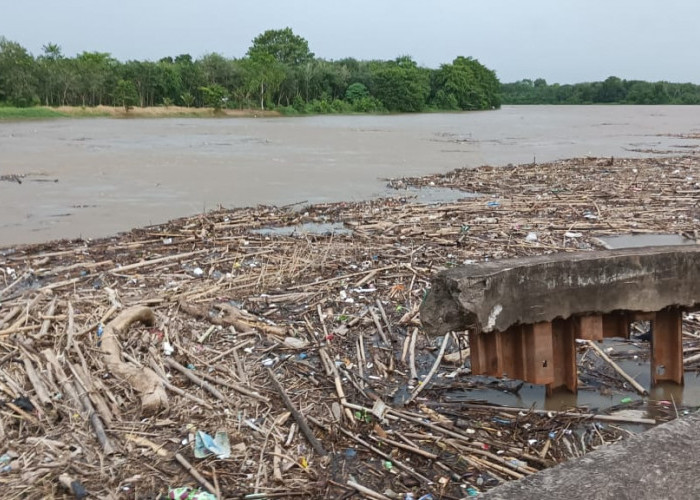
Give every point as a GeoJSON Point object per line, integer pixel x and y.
{"type": "Point", "coordinates": [205, 445]}
{"type": "Point", "coordinates": [502, 421]}
{"type": "Point", "coordinates": [100, 331]}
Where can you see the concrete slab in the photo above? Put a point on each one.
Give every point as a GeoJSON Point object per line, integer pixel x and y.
{"type": "Point", "coordinates": [493, 296]}
{"type": "Point", "coordinates": [661, 463]}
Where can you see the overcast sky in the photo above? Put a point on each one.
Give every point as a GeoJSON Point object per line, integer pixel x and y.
{"type": "Point", "coordinates": [562, 41]}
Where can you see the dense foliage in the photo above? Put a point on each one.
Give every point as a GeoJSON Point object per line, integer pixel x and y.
{"type": "Point", "coordinates": [278, 71]}
{"type": "Point", "coordinates": [612, 90]}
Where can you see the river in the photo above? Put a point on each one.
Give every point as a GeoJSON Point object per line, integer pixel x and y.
{"type": "Point", "coordinates": [96, 177]}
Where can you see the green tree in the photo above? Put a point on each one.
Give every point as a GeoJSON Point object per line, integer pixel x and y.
{"type": "Point", "coordinates": [169, 82]}
{"type": "Point", "coordinates": [660, 93]}
{"type": "Point", "coordinates": [215, 96]}
{"type": "Point", "coordinates": [96, 76]}
{"type": "Point", "coordinates": [215, 68]}
{"type": "Point", "coordinates": [125, 94]}
{"type": "Point", "coordinates": [329, 80]}
{"type": "Point", "coordinates": [263, 77]}
{"type": "Point", "coordinates": [290, 87]}
{"type": "Point", "coordinates": [147, 78]}
{"type": "Point", "coordinates": [190, 76]}
{"type": "Point", "coordinates": [446, 100]}
{"type": "Point", "coordinates": [277, 68]}
{"type": "Point", "coordinates": [187, 99]}
{"type": "Point", "coordinates": [400, 84]}
{"type": "Point", "coordinates": [356, 91]}
{"type": "Point", "coordinates": [686, 93]}
{"type": "Point", "coordinates": [467, 83]}
{"type": "Point", "coordinates": [18, 75]}
{"type": "Point", "coordinates": [611, 90]}
{"type": "Point", "coordinates": [520, 92]}
{"type": "Point", "coordinates": [283, 46]}
{"type": "Point", "coordinates": [50, 66]}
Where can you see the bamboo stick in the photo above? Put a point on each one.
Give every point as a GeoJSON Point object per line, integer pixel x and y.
{"type": "Point", "coordinates": [637, 386]}
{"type": "Point", "coordinates": [301, 421]}
{"type": "Point", "coordinates": [422, 385]}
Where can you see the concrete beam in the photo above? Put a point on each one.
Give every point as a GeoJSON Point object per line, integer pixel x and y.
{"type": "Point", "coordinates": [493, 296]}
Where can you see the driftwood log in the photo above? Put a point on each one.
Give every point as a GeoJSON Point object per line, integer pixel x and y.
{"type": "Point", "coordinates": [142, 379]}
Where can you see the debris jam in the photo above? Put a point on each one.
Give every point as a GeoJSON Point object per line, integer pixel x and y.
{"type": "Point", "coordinates": [204, 358]}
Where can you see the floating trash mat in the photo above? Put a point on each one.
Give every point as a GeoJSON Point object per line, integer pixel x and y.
{"type": "Point", "coordinates": [643, 240]}
{"type": "Point", "coordinates": [429, 194]}
{"type": "Point", "coordinates": [315, 228]}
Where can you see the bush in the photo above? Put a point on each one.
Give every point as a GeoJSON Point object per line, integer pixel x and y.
{"type": "Point", "coordinates": [445, 100]}
{"type": "Point", "coordinates": [340, 106]}
{"type": "Point", "coordinates": [355, 92]}
{"type": "Point", "coordinates": [299, 104]}
{"type": "Point", "coordinates": [368, 104]}
{"type": "Point", "coordinates": [319, 106]}
{"type": "Point", "coordinates": [289, 111]}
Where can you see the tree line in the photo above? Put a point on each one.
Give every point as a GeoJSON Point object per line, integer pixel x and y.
{"type": "Point", "coordinates": [612, 90]}
{"type": "Point", "coordinates": [277, 72]}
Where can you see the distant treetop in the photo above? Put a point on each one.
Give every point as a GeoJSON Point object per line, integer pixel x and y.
{"type": "Point", "coordinates": [283, 45]}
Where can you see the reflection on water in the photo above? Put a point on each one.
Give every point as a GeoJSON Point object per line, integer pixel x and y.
{"type": "Point", "coordinates": [599, 399]}
{"type": "Point", "coordinates": [318, 228]}
{"type": "Point", "coordinates": [429, 195]}
{"type": "Point", "coordinates": [423, 195]}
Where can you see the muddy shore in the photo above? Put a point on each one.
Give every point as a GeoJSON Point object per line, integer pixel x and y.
{"type": "Point", "coordinates": [304, 346]}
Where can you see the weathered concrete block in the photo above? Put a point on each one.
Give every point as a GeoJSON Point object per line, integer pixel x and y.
{"type": "Point", "coordinates": [659, 463]}
{"type": "Point", "coordinates": [493, 296]}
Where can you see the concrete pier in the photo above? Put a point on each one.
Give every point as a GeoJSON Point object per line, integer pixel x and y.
{"type": "Point", "coordinates": [524, 314]}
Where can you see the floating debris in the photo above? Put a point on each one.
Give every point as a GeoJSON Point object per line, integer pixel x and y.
{"type": "Point", "coordinates": [302, 351]}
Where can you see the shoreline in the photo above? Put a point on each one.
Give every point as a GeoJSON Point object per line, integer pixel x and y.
{"type": "Point", "coordinates": [48, 112]}
{"type": "Point", "coordinates": [452, 180]}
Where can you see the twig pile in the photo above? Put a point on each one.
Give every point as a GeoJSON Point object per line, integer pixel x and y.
{"type": "Point", "coordinates": [306, 350]}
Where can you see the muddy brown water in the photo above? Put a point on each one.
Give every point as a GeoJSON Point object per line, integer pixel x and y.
{"type": "Point", "coordinates": [97, 177]}
{"type": "Point", "coordinates": [597, 399]}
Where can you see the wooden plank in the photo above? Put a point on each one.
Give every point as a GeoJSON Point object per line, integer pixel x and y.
{"type": "Point", "coordinates": [667, 347]}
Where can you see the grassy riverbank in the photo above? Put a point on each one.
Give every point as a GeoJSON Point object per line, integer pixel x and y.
{"type": "Point", "coordinates": [40, 112]}
{"type": "Point", "coordinates": [11, 113]}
